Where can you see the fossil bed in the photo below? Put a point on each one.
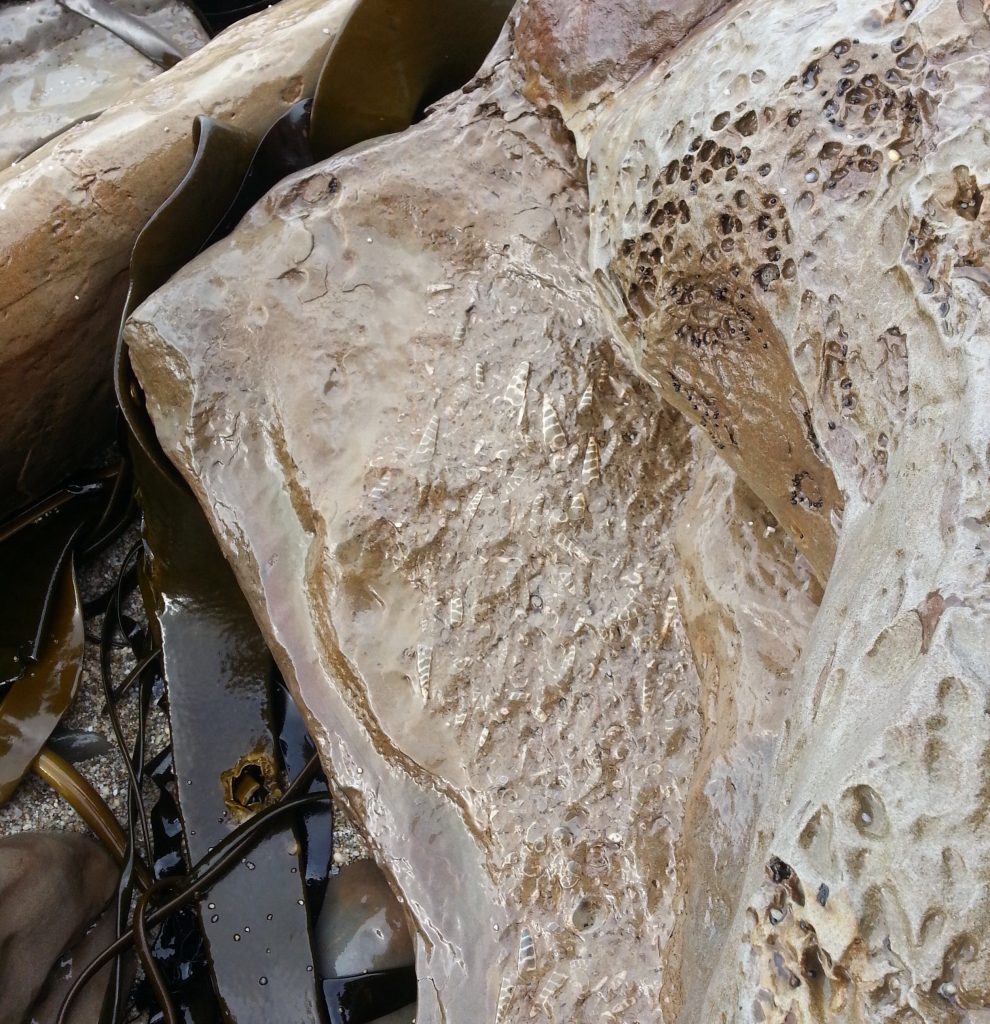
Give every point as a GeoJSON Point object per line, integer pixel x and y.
{"type": "Point", "coordinates": [605, 459]}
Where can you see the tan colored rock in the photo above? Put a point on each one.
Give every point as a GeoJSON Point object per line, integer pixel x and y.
{"type": "Point", "coordinates": [69, 214]}
{"type": "Point", "coordinates": [57, 68]}
{"type": "Point", "coordinates": [749, 600]}
{"type": "Point", "coordinates": [865, 896]}
{"type": "Point", "coordinates": [448, 504]}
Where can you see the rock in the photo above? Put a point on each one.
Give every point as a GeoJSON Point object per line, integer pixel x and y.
{"type": "Point", "coordinates": [864, 896]}
{"type": "Point", "coordinates": [362, 926]}
{"type": "Point", "coordinates": [52, 887]}
{"type": "Point", "coordinates": [69, 215]}
{"type": "Point", "coordinates": [41, 39]}
{"type": "Point", "coordinates": [449, 503]}
{"type": "Point", "coordinates": [453, 509]}
{"type": "Point", "coordinates": [574, 54]}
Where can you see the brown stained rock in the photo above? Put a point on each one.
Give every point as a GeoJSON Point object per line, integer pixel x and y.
{"type": "Point", "coordinates": [449, 505]}
{"type": "Point", "coordinates": [52, 887]}
{"type": "Point", "coordinates": [59, 68]}
{"type": "Point", "coordinates": [575, 53]}
{"type": "Point", "coordinates": [70, 212]}
{"type": "Point", "coordinates": [811, 178]}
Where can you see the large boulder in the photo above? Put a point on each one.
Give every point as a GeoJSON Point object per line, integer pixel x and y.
{"type": "Point", "coordinates": [448, 503]}
{"type": "Point", "coordinates": [571, 678]}
{"type": "Point", "coordinates": [69, 214]}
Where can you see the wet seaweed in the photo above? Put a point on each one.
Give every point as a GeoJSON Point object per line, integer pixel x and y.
{"type": "Point", "coordinates": [423, 51]}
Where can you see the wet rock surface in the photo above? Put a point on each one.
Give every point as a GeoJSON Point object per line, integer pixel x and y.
{"type": "Point", "coordinates": [53, 885]}
{"type": "Point", "coordinates": [362, 925]}
{"type": "Point", "coordinates": [57, 67]}
{"type": "Point", "coordinates": [803, 204]}
{"type": "Point", "coordinates": [572, 676]}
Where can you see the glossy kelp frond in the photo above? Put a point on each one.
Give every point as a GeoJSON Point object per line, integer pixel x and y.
{"type": "Point", "coordinates": [34, 550]}
{"type": "Point", "coordinates": [218, 672]}
{"type": "Point", "coordinates": [136, 32]}
{"type": "Point", "coordinates": [203, 876]}
{"type": "Point", "coordinates": [84, 800]}
{"type": "Point", "coordinates": [392, 58]}
{"type": "Point", "coordinates": [284, 149]}
{"type": "Point", "coordinates": [38, 699]}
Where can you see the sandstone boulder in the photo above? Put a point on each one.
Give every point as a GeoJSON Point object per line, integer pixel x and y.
{"type": "Point", "coordinates": [571, 678]}
{"type": "Point", "coordinates": [448, 504]}
{"type": "Point", "coordinates": [788, 229]}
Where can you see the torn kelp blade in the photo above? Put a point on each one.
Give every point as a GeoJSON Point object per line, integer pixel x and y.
{"type": "Point", "coordinates": [216, 665]}
{"type": "Point", "coordinates": [218, 669]}
{"type": "Point", "coordinates": [392, 58]}
{"type": "Point", "coordinates": [135, 31]}
{"type": "Point", "coordinates": [34, 549]}
{"type": "Point", "coordinates": [36, 702]}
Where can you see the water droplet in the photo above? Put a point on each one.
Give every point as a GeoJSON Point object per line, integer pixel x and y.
{"type": "Point", "coordinates": [214, 918]}
{"type": "Point", "coordinates": [262, 980]}
{"type": "Point", "coordinates": [237, 937]}
{"type": "Point", "coordinates": [268, 917]}
{"type": "Point", "coordinates": [249, 865]}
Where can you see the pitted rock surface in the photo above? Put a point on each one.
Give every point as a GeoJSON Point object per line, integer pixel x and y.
{"type": "Point", "coordinates": [789, 231]}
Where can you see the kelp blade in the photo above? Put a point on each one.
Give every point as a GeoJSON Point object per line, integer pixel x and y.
{"type": "Point", "coordinates": [33, 552]}
{"type": "Point", "coordinates": [36, 701]}
{"type": "Point", "coordinates": [394, 57]}
{"type": "Point", "coordinates": [134, 31]}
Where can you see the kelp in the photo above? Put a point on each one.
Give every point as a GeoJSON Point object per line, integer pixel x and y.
{"type": "Point", "coordinates": [134, 31]}
{"type": "Point", "coordinates": [39, 698]}
{"type": "Point", "coordinates": [392, 58]}
{"type": "Point", "coordinates": [34, 550]}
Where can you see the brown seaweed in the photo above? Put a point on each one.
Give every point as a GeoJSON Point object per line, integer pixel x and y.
{"type": "Point", "coordinates": [135, 31]}
{"type": "Point", "coordinates": [216, 665]}
{"type": "Point", "coordinates": [422, 51]}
